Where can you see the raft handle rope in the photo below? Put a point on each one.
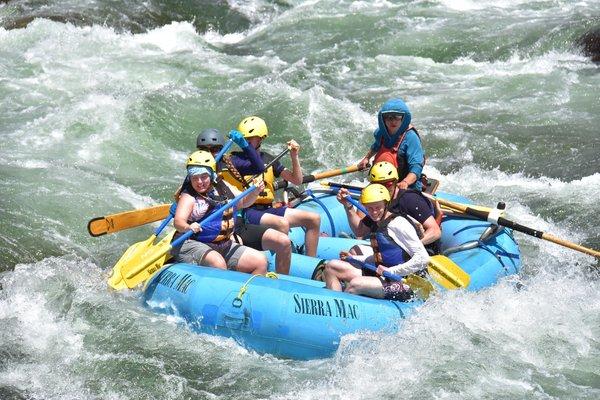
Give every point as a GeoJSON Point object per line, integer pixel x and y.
{"type": "Point", "coordinates": [237, 302]}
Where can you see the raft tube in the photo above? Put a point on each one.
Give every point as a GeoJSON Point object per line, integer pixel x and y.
{"type": "Point", "coordinates": [288, 317]}
{"type": "Point", "coordinates": [484, 259]}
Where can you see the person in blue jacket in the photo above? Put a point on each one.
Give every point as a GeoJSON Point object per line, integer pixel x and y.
{"type": "Point", "coordinates": [398, 142]}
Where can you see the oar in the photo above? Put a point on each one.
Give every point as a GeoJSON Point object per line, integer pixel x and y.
{"type": "Point", "coordinates": [224, 150]}
{"type": "Point", "coordinates": [420, 285]}
{"type": "Point", "coordinates": [129, 219]}
{"type": "Point", "coordinates": [341, 185]}
{"type": "Point", "coordinates": [270, 164]}
{"type": "Point", "coordinates": [139, 271]}
{"type": "Point", "coordinates": [132, 219]}
{"type": "Point", "coordinates": [493, 216]}
{"type": "Point", "coordinates": [282, 184]}
{"type": "Point", "coordinates": [445, 271]}
{"type": "Point", "coordinates": [136, 252]}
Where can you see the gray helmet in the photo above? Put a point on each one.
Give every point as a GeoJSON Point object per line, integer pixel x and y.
{"type": "Point", "coordinates": [210, 137]}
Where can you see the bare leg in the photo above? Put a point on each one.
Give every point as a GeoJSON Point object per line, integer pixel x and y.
{"type": "Point", "coordinates": [275, 222]}
{"type": "Point", "coordinates": [214, 259]}
{"type": "Point", "coordinates": [281, 245]}
{"type": "Point", "coordinates": [253, 262]}
{"type": "Point", "coordinates": [337, 271]}
{"type": "Point", "coordinates": [366, 285]}
{"type": "Point", "coordinates": [309, 220]}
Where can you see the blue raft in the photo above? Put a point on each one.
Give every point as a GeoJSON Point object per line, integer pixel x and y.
{"type": "Point", "coordinates": [295, 317]}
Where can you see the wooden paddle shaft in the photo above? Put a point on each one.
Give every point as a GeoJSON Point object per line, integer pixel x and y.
{"type": "Point", "coordinates": [518, 227]}
{"type": "Point", "coordinates": [322, 175]}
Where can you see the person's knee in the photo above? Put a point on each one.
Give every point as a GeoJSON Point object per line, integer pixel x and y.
{"type": "Point", "coordinates": [214, 259]}
{"type": "Point", "coordinates": [260, 261]}
{"type": "Point", "coordinates": [353, 288]}
{"type": "Point", "coordinates": [277, 241]}
{"type": "Point", "coordinates": [314, 220]}
{"type": "Point", "coordinates": [283, 225]}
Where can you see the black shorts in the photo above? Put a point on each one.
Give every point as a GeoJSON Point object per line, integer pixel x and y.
{"type": "Point", "coordinates": [251, 235]}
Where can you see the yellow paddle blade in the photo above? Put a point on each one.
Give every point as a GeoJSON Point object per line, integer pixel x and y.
{"type": "Point", "coordinates": [134, 252]}
{"type": "Point", "coordinates": [421, 286]}
{"type": "Point", "coordinates": [139, 269]}
{"type": "Point", "coordinates": [129, 219]}
{"type": "Point", "coordinates": [134, 257]}
{"type": "Point", "coordinates": [447, 273]}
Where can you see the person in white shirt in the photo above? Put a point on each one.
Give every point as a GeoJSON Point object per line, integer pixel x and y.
{"type": "Point", "coordinates": [395, 248]}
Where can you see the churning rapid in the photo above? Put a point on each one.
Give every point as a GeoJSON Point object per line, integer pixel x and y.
{"type": "Point", "coordinates": [101, 101]}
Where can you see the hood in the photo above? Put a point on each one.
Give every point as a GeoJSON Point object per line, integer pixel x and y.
{"type": "Point", "coordinates": [393, 105]}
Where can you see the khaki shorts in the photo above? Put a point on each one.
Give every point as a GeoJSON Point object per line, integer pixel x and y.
{"type": "Point", "coordinates": [193, 252]}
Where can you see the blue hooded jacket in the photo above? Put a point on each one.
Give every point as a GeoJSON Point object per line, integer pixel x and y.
{"type": "Point", "coordinates": [410, 149]}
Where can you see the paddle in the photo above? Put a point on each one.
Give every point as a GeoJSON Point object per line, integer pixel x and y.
{"type": "Point", "coordinates": [224, 150]}
{"type": "Point", "coordinates": [136, 252]}
{"type": "Point", "coordinates": [420, 285]}
{"type": "Point", "coordinates": [270, 164]}
{"type": "Point", "coordinates": [445, 271]}
{"type": "Point", "coordinates": [131, 219]}
{"type": "Point", "coordinates": [493, 216]}
{"type": "Point", "coordinates": [139, 270]}
{"type": "Point", "coordinates": [282, 184]}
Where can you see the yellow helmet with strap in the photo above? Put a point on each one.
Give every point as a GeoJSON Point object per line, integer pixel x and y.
{"type": "Point", "coordinates": [253, 126]}
{"type": "Point", "coordinates": [201, 158]}
{"type": "Point", "coordinates": [383, 171]}
{"type": "Point", "coordinates": [374, 193]}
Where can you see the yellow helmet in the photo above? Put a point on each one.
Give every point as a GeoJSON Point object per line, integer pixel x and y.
{"type": "Point", "coordinates": [253, 126]}
{"type": "Point", "coordinates": [383, 171]}
{"type": "Point", "coordinates": [374, 193]}
{"type": "Point", "coordinates": [201, 158]}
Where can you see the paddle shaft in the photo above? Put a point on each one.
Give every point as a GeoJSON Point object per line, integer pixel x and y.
{"type": "Point", "coordinates": [498, 220]}
{"type": "Point", "coordinates": [373, 268]}
{"type": "Point", "coordinates": [216, 214]}
{"type": "Point", "coordinates": [282, 184]}
{"type": "Point", "coordinates": [269, 165]}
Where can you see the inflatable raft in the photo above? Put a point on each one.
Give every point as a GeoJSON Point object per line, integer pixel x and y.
{"type": "Point", "coordinates": [295, 317]}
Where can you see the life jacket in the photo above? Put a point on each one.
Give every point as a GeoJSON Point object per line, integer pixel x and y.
{"type": "Point", "coordinates": [385, 250]}
{"type": "Point", "coordinates": [432, 248]}
{"type": "Point", "coordinates": [222, 227]}
{"type": "Point", "coordinates": [392, 156]}
{"type": "Point", "coordinates": [267, 196]}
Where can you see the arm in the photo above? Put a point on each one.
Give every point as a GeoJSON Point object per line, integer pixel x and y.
{"type": "Point", "coordinates": [358, 228]}
{"type": "Point", "coordinates": [184, 210]}
{"type": "Point", "coordinates": [295, 175]}
{"type": "Point", "coordinates": [405, 236]}
{"type": "Point", "coordinates": [414, 158]}
{"type": "Point", "coordinates": [432, 231]}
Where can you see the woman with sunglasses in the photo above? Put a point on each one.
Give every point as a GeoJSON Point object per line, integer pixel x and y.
{"type": "Point", "coordinates": [399, 143]}
{"type": "Point", "coordinates": [259, 237]}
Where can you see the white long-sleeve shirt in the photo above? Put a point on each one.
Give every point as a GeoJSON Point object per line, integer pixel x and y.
{"type": "Point", "coordinates": [403, 234]}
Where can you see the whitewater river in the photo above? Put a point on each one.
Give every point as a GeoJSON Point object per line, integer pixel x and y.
{"type": "Point", "coordinates": [101, 100]}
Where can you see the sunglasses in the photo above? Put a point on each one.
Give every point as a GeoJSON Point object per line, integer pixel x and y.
{"type": "Point", "coordinates": [392, 117]}
{"type": "Point", "coordinates": [388, 184]}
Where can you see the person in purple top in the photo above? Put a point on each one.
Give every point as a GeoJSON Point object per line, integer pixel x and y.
{"type": "Point", "coordinates": [249, 136]}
